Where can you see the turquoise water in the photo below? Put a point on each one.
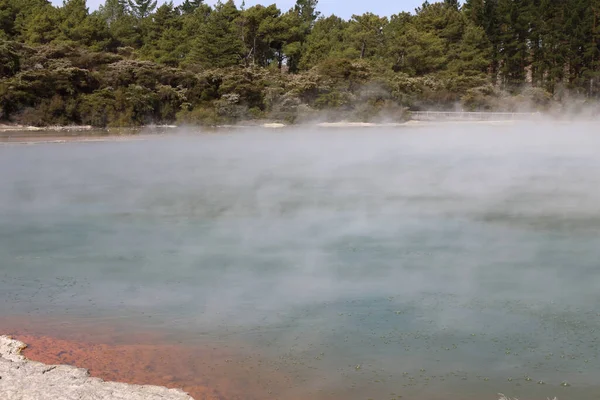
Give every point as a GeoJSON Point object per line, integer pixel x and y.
{"type": "Point", "coordinates": [368, 263]}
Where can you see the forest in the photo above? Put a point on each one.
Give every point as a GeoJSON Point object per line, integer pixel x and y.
{"type": "Point", "coordinates": [136, 62]}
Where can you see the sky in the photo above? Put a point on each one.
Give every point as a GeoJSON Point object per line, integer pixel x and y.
{"type": "Point", "coordinates": [341, 8]}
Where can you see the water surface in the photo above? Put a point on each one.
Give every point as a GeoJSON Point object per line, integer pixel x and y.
{"type": "Point", "coordinates": [363, 263]}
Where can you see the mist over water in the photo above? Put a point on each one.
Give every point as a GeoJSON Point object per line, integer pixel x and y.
{"type": "Point", "coordinates": [368, 263]}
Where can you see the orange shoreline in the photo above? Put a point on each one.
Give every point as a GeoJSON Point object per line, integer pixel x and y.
{"type": "Point", "coordinates": [205, 372]}
{"type": "Point", "coordinates": [142, 364]}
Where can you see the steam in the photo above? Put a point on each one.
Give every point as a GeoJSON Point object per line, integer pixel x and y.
{"type": "Point", "coordinates": [306, 238]}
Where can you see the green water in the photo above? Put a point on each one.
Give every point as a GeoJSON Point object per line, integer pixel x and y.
{"type": "Point", "coordinates": [370, 263]}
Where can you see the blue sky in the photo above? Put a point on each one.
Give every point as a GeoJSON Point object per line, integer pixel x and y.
{"type": "Point", "coordinates": [341, 8]}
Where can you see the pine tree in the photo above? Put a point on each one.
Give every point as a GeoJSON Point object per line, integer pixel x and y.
{"type": "Point", "coordinates": [307, 11]}
{"type": "Point", "coordinates": [474, 10]}
{"type": "Point", "coordinates": [326, 40]}
{"type": "Point", "coordinates": [189, 6]}
{"type": "Point", "coordinates": [112, 10]}
{"type": "Point", "coordinates": [15, 14]}
{"type": "Point", "coordinates": [366, 32]}
{"type": "Point", "coordinates": [73, 14]}
{"type": "Point", "coordinates": [142, 8]}
{"type": "Point", "coordinates": [452, 4]}
{"type": "Point", "coordinates": [423, 7]}
{"type": "Point", "coordinates": [471, 56]}
{"type": "Point", "coordinates": [261, 27]}
{"type": "Point", "coordinates": [218, 43]}
{"type": "Point", "coordinates": [164, 41]}
{"type": "Point", "coordinates": [10, 62]}
{"type": "Point", "coordinates": [513, 38]}
{"type": "Point", "coordinates": [589, 73]}
{"type": "Point", "coordinates": [42, 26]}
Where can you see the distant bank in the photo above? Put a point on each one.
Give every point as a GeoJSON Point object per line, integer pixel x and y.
{"type": "Point", "coordinates": [58, 134]}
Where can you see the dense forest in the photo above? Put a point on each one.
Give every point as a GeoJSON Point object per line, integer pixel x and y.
{"type": "Point", "coordinates": [133, 62]}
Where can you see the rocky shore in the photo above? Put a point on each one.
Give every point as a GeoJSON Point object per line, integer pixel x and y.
{"type": "Point", "coordinates": [24, 379]}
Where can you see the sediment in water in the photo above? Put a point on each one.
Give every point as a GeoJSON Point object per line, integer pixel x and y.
{"type": "Point", "coordinates": [21, 378]}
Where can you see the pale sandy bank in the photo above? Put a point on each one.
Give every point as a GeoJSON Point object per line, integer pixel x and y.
{"type": "Point", "coordinates": [69, 128]}
{"type": "Point", "coordinates": [24, 379]}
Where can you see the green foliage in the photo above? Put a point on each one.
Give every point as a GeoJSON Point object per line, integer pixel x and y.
{"type": "Point", "coordinates": [262, 29]}
{"type": "Point", "coordinates": [41, 27]}
{"type": "Point", "coordinates": [201, 115]}
{"type": "Point", "coordinates": [78, 27]}
{"type": "Point", "coordinates": [341, 70]}
{"type": "Point", "coordinates": [14, 13]}
{"type": "Point", "coordinates": [307, 11]}
{"type": "Point", "coordinates": [142, 8]}
{"type": "Point", "coordinates": [189, 6]}
{"type": "Point", "coordinates": [126, 32]}
{"type": "Point", "coordinates": [327, 39]}
{"type": "Point", "coordinates": [133, 63]}
{"type": "Point", "coordinates": [10, 62]}
{"type": "Point", "coordinates": [218, 43]}
{"type": "Point", "coordinates": [112, 10]}
{"type": "Point", "coordinates": [479, 98]}
{"type": "Point", "coordinates": [98, 108]}
{"type": "Point", "coordinates": [365, 32]}
{"type": "Point", "coordinates": [165, 41]}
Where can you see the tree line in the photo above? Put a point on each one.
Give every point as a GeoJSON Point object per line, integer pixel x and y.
{"type": "Point", "coordinates": [132, 62]}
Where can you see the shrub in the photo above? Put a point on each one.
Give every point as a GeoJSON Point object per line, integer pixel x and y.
{"type": "Point", "coordinates": [98, 108]}
{"type": "Point", "coordinates": [201, 115]}
{"type": "Point", "coordinates": [10, 62]}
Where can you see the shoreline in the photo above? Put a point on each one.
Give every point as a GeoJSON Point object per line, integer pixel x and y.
{"type": "Point", "coordinates": [142, 357]}
{"type": "Point", "coordinates": [24, 378]}
{"type": "Point", "coordinates": [58, 135]}
{"type": "Point", "coordinates": [207, 368]}
{"type": "Point", "coordinates": [16, 134]}
{"type": "Point", "coordinates": [20, 134]}
{"type": "Point", "coordinates": [21, 377]}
